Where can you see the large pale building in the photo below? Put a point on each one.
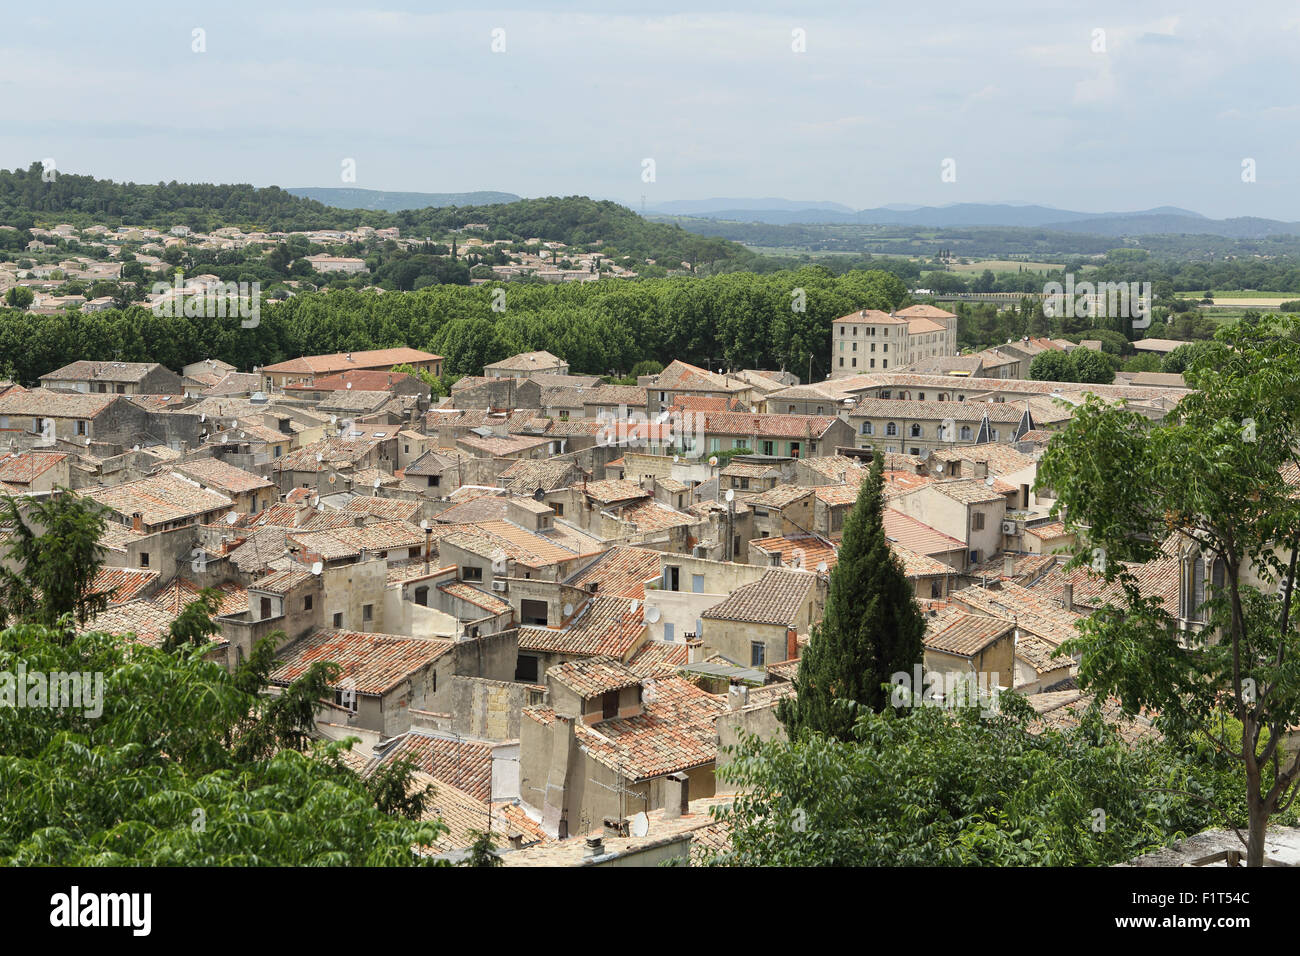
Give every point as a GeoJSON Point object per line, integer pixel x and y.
{"type": "Point", "coordinates": [871, 340]}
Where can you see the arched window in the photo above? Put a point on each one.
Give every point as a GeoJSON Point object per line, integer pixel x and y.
{"type": "Point", "coordinates": [965, 433]}
{"type": "Point", "coordinates": [916, 431]}
{"type": "Point", "coordinates": [868, 428]}
{"type": "Point", "coordinates": [891, 429]}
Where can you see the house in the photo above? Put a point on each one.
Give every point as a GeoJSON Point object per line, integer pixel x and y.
{"type": "Point", "coordinates": [760, 623]}
{"type": "Point", "coordinates": [161, 502]}
{"type": "Point", "coordinates": [526, 364]}
{"type": "Point", "coordinates": [120, 378]}
{"type": "Point", "coordinates": [961, 643]}
{"type": "Point", "coordinates": [307, 368]}
{"type": "Point", "coordinates": [383, 677]}
{"type": "Point", "coordinates": [862, 341]}
{"type": "Point", "coordinates": [247, 491]}
{"type": "Point", "coordinates": [608, 744]}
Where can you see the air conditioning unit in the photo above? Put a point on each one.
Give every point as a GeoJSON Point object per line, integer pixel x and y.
{"type": "Point", "coordinates": [498, 585]}
{"type": "Point", "coordinates": [1008, 527]}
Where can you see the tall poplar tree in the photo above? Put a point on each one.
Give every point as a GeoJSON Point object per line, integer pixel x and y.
{"type": "Point", "coordinates": [872, 627]}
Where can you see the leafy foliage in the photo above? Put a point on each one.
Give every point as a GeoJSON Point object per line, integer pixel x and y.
{"type": "Point", "coordinates": [954, 788]}
{"type": "Point", "coordinates": [1218, 473]}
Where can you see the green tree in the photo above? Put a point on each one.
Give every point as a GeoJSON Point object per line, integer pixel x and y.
{"type": "Point", "coordinates": [1218, 473]}
{"type": "Point", "coordinates": [482, 851]}
{"type": "Point", "coordinates": [872, 627]}
{"type": "Point", "coordinates": [19, 297]}
{"type": "Point", "coordinates": [53, 557]}
{"type": "Point", "coordinates": [1052, 366]}
{"type": "Point", "coordinates": [965, 787]}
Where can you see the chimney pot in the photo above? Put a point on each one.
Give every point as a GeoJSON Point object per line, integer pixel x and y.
{"type": "Point", "coordinates": [595, 846]}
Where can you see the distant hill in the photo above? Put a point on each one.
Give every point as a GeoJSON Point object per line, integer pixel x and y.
{"type": "Point", "coordinates": [380, 201]}
{"type": "Point", "coordinates": [711, 207]}
{"type": "Point", "coordinates": [783, 212]}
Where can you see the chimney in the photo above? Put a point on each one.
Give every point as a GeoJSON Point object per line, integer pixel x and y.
{"type": "Point", "coordinates": [981, 469]}
{"type": "Point", "coordinates": [737, 697]}
{"type": "Point", "coordinates": [516, 841]}
{"type": "Point", "coordinates": [1008, 564]}
{"type": "Point", "coordinates": [677, 795]}
{"type": "Point", "coordinates": [1067, 596]}
{"type": "Point", "coordinates": [595, 847]}
{"type": "Point", "coordinates": [694, 651]}
{"type": "Point", "coordinates": [137, 521]}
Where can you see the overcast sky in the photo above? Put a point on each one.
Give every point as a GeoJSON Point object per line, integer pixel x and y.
{"type": "Point", "coordinates": [1015, 93]}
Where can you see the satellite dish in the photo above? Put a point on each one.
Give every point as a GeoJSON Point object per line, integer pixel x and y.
{"type": "Point", "coordinates": [635, 604]}
{"type": "Point", "coordinates": [989, 481]}
{"type": "Point", "coordinates": [319, 458]}
{"type": "Point", "coordinates": [424, 524]}
{"type": "Point", "coordinates": [334, 419]}
{"type": "Point", "coordinates": [135, 447]}
{"type": "Point", "coordinates": [821, 567]}
{"type": "Point", "coordinates": [87, 441]}
{"type": "Point", "coordinates": [639, 825]}
{"type": "Point", "coordinates": [232, 518]}
{"type": "Point", "coordinates": [713, 462]}
{"type": "Point", "coordinates": [568, 609]}
{"type": "Point", "coordinates": [317, 568]}
{"type": "Point", "coordinates": [348, 385]}
{"type": "Point", "coordinates": [652, 614]}
{"type": "Point", "coordinates": [731, 494]}
{"type": "Point", "coordinates": [754, 409]}
{"type": "Point", "coordinates": [938, 469]}
{"type": "Point", "coordinates": [243, 434]}
{"type": "Point", "coordinates": [676, 459]}
{"type": "Point", "coordinates": [539, 494]}
{"type": "Point", "coordinates": [203, 418]}
{"type": "Point", "coordinates": [376, 482]}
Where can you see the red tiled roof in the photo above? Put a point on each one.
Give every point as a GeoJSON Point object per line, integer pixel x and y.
{"type": "Point", "coordinates": [374, 663]}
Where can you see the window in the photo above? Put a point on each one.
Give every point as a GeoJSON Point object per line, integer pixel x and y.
{"type": "Point", "coordinates": [936, 588]}
{"type": "Point", "coordinates": [672, 578]}
{"type": "Point", "coordinates": [670, 631]}
{"type": "Point", "coordinates": [868, 428]}
{"type": "Point", "coordinates": [532, 612]}
{"type": "Point", "coordinates": [916, 431]}
{"type": "Point", "coordinates": [891, 429]}
{"type": "Point", "coordinates": [367, 612]}
{"type": "Point", "coordinates": [144, 559]}
{"type": "Point", "coordinates": [794, 449]}
{"type": "Point", "coordinates": [559, 508]}
{"type": "Point", "coordinates": [347, 699]}
{"type": "Point", "coordinates": [609, 704]}
{"type": "Point", "coordinates": [965, 433]}
{"type": "Point", "coordinates": [769, 448]}
{"type": "Point", "coordinates": [434, 480]}
{"type": "Point", "coordinates": [697, 583]}
{"type": "Point", "coordinates": [266, 608]}
{"type": "Point", "coordinates": [306, 603]}
{"type": "Point", "coordinates": [422, 595]}
{"type": "Point", "coordinates": [526, 669]}
{"type": "Point", "coordinates": [83, 427]}
{"type": "Point", "coordinates": [884, 363]}
{"type": "Point", "coordinates": [977, 521]}
{"type": "Point", "coordinates": [471, 573]}
{"type": "Point", "coordinates": [757, 654]}
{"type": "Point", "coordinates": [338, 618]}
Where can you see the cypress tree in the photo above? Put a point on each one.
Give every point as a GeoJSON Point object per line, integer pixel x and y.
{"type": "Point", "coordinates": [872, 627]}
